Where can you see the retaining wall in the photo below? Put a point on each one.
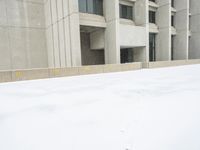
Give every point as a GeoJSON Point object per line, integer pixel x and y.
{"type": "Point", "coordinates": [20, 75]}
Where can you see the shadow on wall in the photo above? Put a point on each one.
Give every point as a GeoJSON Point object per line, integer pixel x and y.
{"type": "Point", "coordinates": [90, 57]}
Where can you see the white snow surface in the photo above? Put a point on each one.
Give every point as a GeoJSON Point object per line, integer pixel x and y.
{"type": "Point", "coordinates": [156, 109]}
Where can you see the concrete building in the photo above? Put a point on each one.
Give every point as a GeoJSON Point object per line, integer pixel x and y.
{"type": "Point", "coordinates": [67, 33]}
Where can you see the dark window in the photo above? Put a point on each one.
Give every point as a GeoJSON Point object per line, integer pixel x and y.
{"type": "Point", "coordinates": [172, 48]}
{"type": "Point", "coordinates": [152, 17]}
{"type": "Point", "coordinates": [126, 12]}
{"type": "Point", "coordinates": [172, 3]}
{"type": "Point", "coordinates": [153, 1]}
{"type": "Point", "coordinates": [152, 47]}
{"type": "Point", "coordinates": [91, 6]}
{"type": "Point", "coordinates": [172, 21]}
{"type": "Point", "coordinates": [126, 55]}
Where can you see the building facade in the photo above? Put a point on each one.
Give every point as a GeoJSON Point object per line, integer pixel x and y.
{"type": "Point", "coordinates": [68, 33]}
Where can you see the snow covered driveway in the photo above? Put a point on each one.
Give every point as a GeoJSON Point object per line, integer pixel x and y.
{"type": "Point", "coordinates": [141, 110]}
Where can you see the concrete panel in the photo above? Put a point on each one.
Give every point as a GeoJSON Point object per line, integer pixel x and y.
{"type": "Point", "coordinates": [63, 72]}
{"type": "Point", "coordinates": [181, 45]}
{"type": "Point", "coordinates": [60, 9]}
{"type": "Point", "coordinates": [25, 14]}
{"type": "Point", "coordinates": [75, 40]}
{"type": "Point", "coordinates": [5, 76]}
{"type": "Point", "coordinates": [21, 75]}
{"type": "Point", "coordinates": [91, 70]}
{"type": "Point", "coordinates": [62, 43]}
{"type": "Point", "coordinates": [5, 53]}
{"type": "Point", "coordinates": [194, 52]}
{"type": "Point", "coordinates": [132, 36]}
{"type": "Point", "coordinates": [56, 45]}
{"type": "Point", "coordinates": [67, 42]}
{"type": "Point", "coordinates": [132, 66]}
{"type": "Point", "coordinates": [50, 47]}
{"type": "Point", "coordinates": [112, 40]}
{"type": "Point", "coordinates": [3, 16]}
{"type": "Point", "coordinates": [112, 68]}
{"type": "Point", "coordinates": [141, 12]}
{"type": "Point", "coordinates": [54, 11]}
{"type": "Point", "coordinates": [48, 18]}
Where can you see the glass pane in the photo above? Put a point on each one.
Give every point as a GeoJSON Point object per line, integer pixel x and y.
{"type": "Point", "coordinates": [99, 7]}
{"type": "Point", "coordinates": [129, 12]}
{"type": "Point", "coordinates": [83, 6]}
{"type": "Point", "coordinates": [90, 6]}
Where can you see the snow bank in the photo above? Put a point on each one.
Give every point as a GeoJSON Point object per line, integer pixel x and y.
{"type": "Point", "coordinates": [141, 110]}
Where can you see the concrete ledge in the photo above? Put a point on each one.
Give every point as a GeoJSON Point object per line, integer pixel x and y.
{"type": "Point", "coordinates": [63, 72]}
{"type": "Point", "coordinates": [112, 68]}
{"type": "Point", "coordinates": [5, 76]}
{"type": "Point", "coordinates": [91, 69]}
{"type": "Point", "coordinates": [160, 64]}
{"type": "Point", "coordinates": [131, 66]}
{"type": "Point", "coordinates": [20, 75]}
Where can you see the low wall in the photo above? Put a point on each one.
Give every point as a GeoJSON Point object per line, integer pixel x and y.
{"type": "Point", "coordinates": [160, 64]}
{"type": "Point", "coordinates": [20, 75]}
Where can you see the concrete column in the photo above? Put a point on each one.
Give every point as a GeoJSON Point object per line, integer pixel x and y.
{"type": "Point", "coordinates": [163, 46]}
{"type": "Point", "coordinates": [142, 19]}
{"type": "Point", "coordinates": [74, 33]}
{"type": "Point", "coordinates": [112, 41]}
{"type": "Point", "coordinates": [194, 52]}
{"type": "Point", "coordinates": [63, 33]}
{"type": "Point", "coordinates": [182, 29]}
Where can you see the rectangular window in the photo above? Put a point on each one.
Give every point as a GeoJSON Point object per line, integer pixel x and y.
{"type": "Point", "coordinates": [153, 1]}
{"type": "Point", "coordinates": [152, 47]}
{"type": "Point", "coordinates": [172, 3]}
{"type": "Point", "coordinates": [126, 12]}
{"type": "Point", "coordinates": [126, 55]}
{"type": "Point", "coordinates": [172, 21]}
{"type": "Point", "coordinates": [91, 6]}
{"type": "Point", "coordinates": [152, 16]}
{"type": "Point", "coordinates": [172, 47]}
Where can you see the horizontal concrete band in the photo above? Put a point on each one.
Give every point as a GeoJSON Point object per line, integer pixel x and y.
{"type": "Point", "coordinates": [20, 75]}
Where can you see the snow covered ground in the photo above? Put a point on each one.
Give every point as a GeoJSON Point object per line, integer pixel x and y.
{"type": "Point", "coordinates": [141, 110]}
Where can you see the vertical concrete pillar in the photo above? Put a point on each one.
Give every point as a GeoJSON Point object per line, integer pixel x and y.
{"type": "Point", "coordinates": [112, 41]}
{"type": "Point", "coordinates": [74, 27]}
{"type": "Point", "coordinates": [194, 52]}
{"type": "Point", "coordinates": [142, 19]}
{"type": "Point", "coordinates": [182, 30]}
{"type": "Point", "coordinates": [163, 46]}
{"type": "Point", "coordinates": [63, 33]}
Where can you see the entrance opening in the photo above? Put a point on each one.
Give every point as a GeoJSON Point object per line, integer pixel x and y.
{"type": "Point", "coordinates": [127, 55]}
{"type": "Point", "coordinates": [92, 45]}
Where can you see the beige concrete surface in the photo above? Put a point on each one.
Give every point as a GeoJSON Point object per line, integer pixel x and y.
{"type": "Point", "coordinates": [62, 72]}
{"type": "Point", "coordinates": [20, 75]}
{"type": "Point", "coordinates": [5, 76]}
{"type": "Point", "coordinates": [91, 69]}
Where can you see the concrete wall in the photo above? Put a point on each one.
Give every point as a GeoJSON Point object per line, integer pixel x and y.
{"type": "Point", "coordinates": [181, 41]}
{"type": "Point", "coordinates": [20, 75]}
{"type": "Point", "coordinates": [22, 35]}
{"type": "Point", "coordinates": [132, 36]}
{"type": "Point", "coordinates": [163, 46]}
{"type": "Point", "coordinates": [112, 45]}
{"type": "Point", "coordinates": [63, 33]}
{"type": "Point", "coordinates": [194, 51]}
